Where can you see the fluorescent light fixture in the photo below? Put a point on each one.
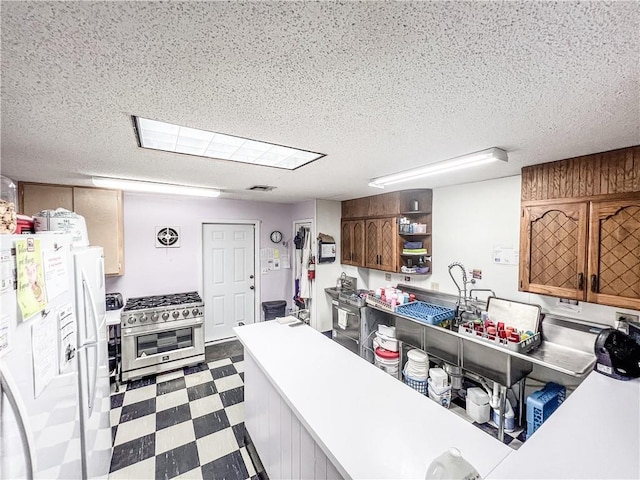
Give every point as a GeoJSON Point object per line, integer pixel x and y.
{"type": "Point", "coordinates": [175, 138]}
{"type": "Point", "coordinates": [457, 163]}
{"type": "Point", "coordinates": [153, 187]}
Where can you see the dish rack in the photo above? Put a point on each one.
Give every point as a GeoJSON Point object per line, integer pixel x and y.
{"type": "Point", "coordinates": [418, 385]}
{"type": "Point", "coordinates": [375, 302]}
{"type": "Point", "coordinates": [541, 404]}
{"type": "Point", "coordinates": [520, 347]}
{"type": "Point", "coordinates": [426, 312]}
{"type": "Point", "coordinates": [524, 317]}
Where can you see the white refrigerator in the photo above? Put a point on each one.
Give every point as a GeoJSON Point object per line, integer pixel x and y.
{"type": "Point", "coordinates": [54, 385]}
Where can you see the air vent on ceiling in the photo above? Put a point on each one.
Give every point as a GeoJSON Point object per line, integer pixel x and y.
{"type": "Point", "coordinates": [261, 188]}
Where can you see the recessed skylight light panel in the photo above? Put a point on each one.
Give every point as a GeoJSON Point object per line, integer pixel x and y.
{"type": "Point", "coordinates": [168, 137]}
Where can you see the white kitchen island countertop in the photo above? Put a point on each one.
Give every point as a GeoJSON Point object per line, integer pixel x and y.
{"type": "Point", "coordinates": [595, 434]}
{"type": "Point", "coordinates": [367, 423]}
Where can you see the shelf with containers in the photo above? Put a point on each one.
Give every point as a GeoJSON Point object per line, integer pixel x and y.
{"type": "Point", "coordinates": [372, 237]}
{"type": "Point", "coordinates": [414, 232]}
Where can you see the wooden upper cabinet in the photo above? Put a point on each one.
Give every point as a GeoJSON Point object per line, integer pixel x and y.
{"type": "Point", "coordinates": [370, 236]}
{"type": "Point", "coordinates": [352, 243]}
{"type": "Point", "coordinates": [381, 250]}
{"type": "Point", "coordinates": [35, 197]}
{"type": "Point", "coordinates": [102, 211]}
{"type": "Point", "coordinates": [553, 250]}
{"type": "Point", "coordinates": [580, 228]}
{"type": "Point", "coordinates": [616, 172]}
{"type": "Point", "coordinates": [384, 205]}
{"type": "Point", "coordinates": [356, 208]}
{"type": "Point", "coordinates": [614, 253]}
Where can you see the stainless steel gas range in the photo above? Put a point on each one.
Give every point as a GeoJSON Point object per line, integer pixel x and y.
{"type": "Point", "coordinates": [161, 333]}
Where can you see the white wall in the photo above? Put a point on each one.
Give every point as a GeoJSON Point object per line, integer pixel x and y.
{"type": "Point", "coordinates": [154, 271]}
{"type": "Point", "coordinates": [469, 221]}
{"type": "Point", "coordinates": [327, 216]}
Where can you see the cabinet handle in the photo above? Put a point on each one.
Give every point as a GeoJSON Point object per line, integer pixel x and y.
{"type": "Point", "coordinates": [580, 281]}
{"type": "Point", "coordinates": [594, 283]}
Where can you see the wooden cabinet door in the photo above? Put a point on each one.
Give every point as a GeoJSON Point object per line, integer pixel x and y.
{"type": "Point", "coordinates": [381, 244]}
{"type": "Point", "coordinates": [102, 210]}
{"type": "Point", "coordinates": [352, 243]}
{"type": "Point", "coordinates": [35, 197]}
{"type": "Point", "coordinates": [372, 243]}
{"type": "Point", "coordinates": [388, 228]}
{"type": "Point", "coordinates": [614, 253]}
{"type": "Point", "coordinates": [553, 247]}
{"type": "Point", "coordinates": [357, 243]}
{"type": "Point", "coordinates": [345, 242]}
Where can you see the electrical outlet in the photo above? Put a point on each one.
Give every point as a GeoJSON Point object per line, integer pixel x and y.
{"type": "Point", "coordinates": [407, 279]}
{"type": "Point", "coordinates": [435, 286]}
{"type": "Point", "coordinates": [387, 277]}
{"type": "Point", "coordinates": [626, 317]}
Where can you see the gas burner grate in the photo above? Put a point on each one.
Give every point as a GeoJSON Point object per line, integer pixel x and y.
{"type": "Point", "coordinates": [157, 301]}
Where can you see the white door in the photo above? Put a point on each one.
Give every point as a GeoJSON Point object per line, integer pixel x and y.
{"type": "Point", "coordinates": [228, 278]}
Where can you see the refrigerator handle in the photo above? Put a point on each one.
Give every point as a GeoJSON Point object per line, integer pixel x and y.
{"type": "Point", "coordinates": [85, 286]}
{"type": "Point", "coordinates": [92, 392]}
{"type": "Point", "coordinates": [8, 387]}
{"type": "Point", "coordinates": [101, 270]}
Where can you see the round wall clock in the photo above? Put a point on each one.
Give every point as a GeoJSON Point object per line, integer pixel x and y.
{"type": "Point", "coordinates": [276, 236]}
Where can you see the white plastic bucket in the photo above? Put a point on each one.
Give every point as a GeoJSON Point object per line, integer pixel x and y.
{"type": "Point", "coordinates": [389, 365]}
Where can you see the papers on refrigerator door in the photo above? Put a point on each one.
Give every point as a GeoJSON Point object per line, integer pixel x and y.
{"type": "Point", "coordinates": [44, 348]}
{"type": "Point", "coordinates": [67, 332]}
{"type": "Point", "coordinates": [7, 271]}
{"type": "Point", "coordinates": [56, 276]}
{"type": "Point", "coordinates": [5, 340]}
{"type": "Point", "coordinates": [32, 296]}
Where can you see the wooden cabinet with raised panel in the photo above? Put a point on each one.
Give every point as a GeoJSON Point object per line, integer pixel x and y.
{"type": "Point", "coordinates": [101, 209]}
{"type": "Point", "coordinates": [587, 251]}
{"type": "Point", "coordinates": [40, 196]}
{"type": "Point", "coordinates": [614, 253]}
{"type": "Point", "coordinates": [580, 228]}
{"type": "Point", "coordinates": [553, 249]}
{"type": "Point", "coordinates": [352, 242]}
{"type": "Point", "coordinates": [369, 229]}
{"type": "Point", "coordinates": [381, 245]}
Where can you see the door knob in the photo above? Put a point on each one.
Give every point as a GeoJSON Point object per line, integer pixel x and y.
{"type": "Point", "coordinates": [252, 287]}
{"type": "Point", "coordinates": [251, 277]}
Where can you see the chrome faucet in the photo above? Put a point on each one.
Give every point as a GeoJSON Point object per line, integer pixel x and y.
{"type": "Point", "coordinates": [463, 299]}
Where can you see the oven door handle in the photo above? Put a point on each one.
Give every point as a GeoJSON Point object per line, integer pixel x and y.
{"type": "Point", "coordinates": [136, 331]}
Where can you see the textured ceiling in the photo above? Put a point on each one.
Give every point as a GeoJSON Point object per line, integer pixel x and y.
{"type": "Point", "coordinates": [377, 86]}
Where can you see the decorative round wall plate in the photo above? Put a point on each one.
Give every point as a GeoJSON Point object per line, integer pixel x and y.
{"type": "Point", "coordinates": [276, 236]}
{"type": "Point", "coordinates": [167, 237]}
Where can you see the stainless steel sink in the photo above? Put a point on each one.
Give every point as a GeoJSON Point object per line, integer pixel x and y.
{"type": "Point", "coordinates": [567, 345]}
{"type": "Point", "coordinates": [333, 292]}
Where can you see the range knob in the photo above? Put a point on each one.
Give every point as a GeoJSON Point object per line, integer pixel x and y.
{"type": "Point", "coordinates": [155, 317]}
{"type": "Point", "coordinates": [131, 320]}
{"type": "Point", "coordinates": [185, 313]}
{"type": "Point", "coordinates": [176, 314]}
{"type": "Point", "coordinates": [143, 317]}
{"type": "Point", "coordinates": [165, 316]}
{"type": "Point", "coordinates": [195, 312]}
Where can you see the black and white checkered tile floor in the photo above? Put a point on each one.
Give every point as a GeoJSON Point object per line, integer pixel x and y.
{"type": "Point", "coordinates": [183, 424]}
{"type": "Point", "coordinates": [514, 439]}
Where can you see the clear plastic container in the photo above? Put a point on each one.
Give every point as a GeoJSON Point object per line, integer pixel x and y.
{"type": "Point", "coordinates": [8, 190]}
{"type": "Point", "coordinates": [451, 465]}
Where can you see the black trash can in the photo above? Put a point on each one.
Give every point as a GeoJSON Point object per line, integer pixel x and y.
{"type": "Point", "coordinates": [273, 309]}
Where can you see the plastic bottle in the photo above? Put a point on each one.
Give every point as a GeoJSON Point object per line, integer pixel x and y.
{"type": "Point", "coordinates": [451, 465]}
{"type": "Point", "coordinates": [509, 417]}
